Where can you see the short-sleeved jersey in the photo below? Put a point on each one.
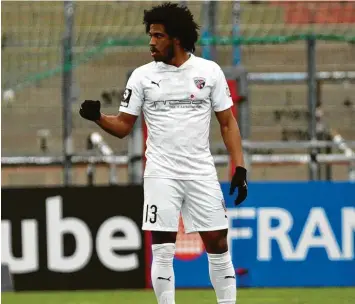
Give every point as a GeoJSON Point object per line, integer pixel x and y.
{"type": "Point", "coordinates": [177, 103]}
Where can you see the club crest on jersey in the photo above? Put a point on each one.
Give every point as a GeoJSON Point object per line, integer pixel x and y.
{"type": "Point", "coordinates": [200, 82]}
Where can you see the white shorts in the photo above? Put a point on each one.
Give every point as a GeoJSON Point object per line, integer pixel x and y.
{"type": "Point", "coordinates": [201, 205]}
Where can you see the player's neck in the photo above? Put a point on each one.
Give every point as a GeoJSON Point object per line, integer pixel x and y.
{"type": "Point", "coordinates": [179, 59]}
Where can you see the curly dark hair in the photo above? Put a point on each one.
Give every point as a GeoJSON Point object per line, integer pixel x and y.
{"type": "Point", "coordinates": [177, 20]}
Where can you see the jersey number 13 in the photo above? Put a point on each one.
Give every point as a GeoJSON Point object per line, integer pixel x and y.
{"type": "Point", "coordinates": [151, 213]}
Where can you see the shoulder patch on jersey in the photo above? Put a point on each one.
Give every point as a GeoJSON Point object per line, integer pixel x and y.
{"type": "Point", "coordinates": [126, 97]}
{"type": "Point", "coordinates": [200, 82]}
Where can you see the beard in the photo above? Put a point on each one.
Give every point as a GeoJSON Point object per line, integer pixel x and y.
{"type": "Point", "coordinates": [166, 58]}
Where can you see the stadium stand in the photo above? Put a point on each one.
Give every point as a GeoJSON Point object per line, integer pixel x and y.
{"type": "Point", "coordinates": [31, 62]}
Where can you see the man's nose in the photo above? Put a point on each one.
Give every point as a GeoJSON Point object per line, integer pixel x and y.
{"type": "Point", "coordinates": [152, 41]}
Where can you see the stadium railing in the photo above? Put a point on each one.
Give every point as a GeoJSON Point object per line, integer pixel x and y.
{"type": "Point", "coordinates": [112, 161]}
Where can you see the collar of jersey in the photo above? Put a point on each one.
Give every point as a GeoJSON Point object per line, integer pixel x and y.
{"type": "Point", "coordinates": [170, 67]}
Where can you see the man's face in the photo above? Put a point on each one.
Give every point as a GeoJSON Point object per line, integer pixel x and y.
{"type": "Point", "coordinates": [161, 45]}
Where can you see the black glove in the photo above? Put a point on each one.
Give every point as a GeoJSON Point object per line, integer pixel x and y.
{"type": "Point", "coordinates": [239, 180]}
{"type": "Point", "coordinates": [90, 109]}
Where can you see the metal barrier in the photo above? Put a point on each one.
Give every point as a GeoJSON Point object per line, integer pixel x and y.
{"type": "Point", "coordinates": [220, 160]}
{"type": "Point", "coordinates": [260, 159]}
{"type": "Point", "coordinates": [95, 140]}
{"type": "Point", "coordinates": [288, 159]}
{"type": "Point", "coordinates": [292, 77]}
{"type": "Point", "coordinates": [344, 146]}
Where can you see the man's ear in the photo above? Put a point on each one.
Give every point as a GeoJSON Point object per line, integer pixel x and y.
{"type": "Point", "coordinates": [176, 41]}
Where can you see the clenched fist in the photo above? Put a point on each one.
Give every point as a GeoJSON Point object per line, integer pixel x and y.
{"type": "Point", "coordinates": [90, 109]}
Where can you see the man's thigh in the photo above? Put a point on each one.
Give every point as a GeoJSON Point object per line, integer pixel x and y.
{"type": "Point", "coordinates": [203, 208]}
{"type": "Point", "coordinates": [162, 204]}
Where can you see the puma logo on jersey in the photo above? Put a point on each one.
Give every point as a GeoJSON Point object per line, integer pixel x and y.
{"type": "Point", "coordinates": [156, 83]}
{"type": "Point", "coordinates": [165, 279]}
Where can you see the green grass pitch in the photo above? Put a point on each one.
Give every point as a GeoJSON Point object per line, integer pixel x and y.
{"type": "Point", "coordinates": [245, 296]}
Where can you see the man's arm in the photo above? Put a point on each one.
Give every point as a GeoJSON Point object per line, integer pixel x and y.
{"type": "Point", "coordinates": [221, 104]}
{"type": "Point", "coordinates": [117, 125]}
{"type": "Point", "coordinates": [231, 136]}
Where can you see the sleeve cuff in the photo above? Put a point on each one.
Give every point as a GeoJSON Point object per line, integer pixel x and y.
{"type": "Point", "coordinates": [226, 106]}
{"type": "Point", "coordinates": [129, 111]}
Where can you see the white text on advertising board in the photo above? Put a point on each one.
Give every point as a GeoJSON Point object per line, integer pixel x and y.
{"type": "Point", "coordinates": [317, 220]}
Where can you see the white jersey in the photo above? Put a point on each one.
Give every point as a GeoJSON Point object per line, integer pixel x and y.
{"type": "Point", "coordinates": [177, 104]}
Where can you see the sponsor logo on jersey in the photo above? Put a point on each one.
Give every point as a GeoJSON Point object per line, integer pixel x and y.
{"type": "Point", "coordinates": [200, 82]}
{"type": "Point", "coordinates": [184, 103]}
